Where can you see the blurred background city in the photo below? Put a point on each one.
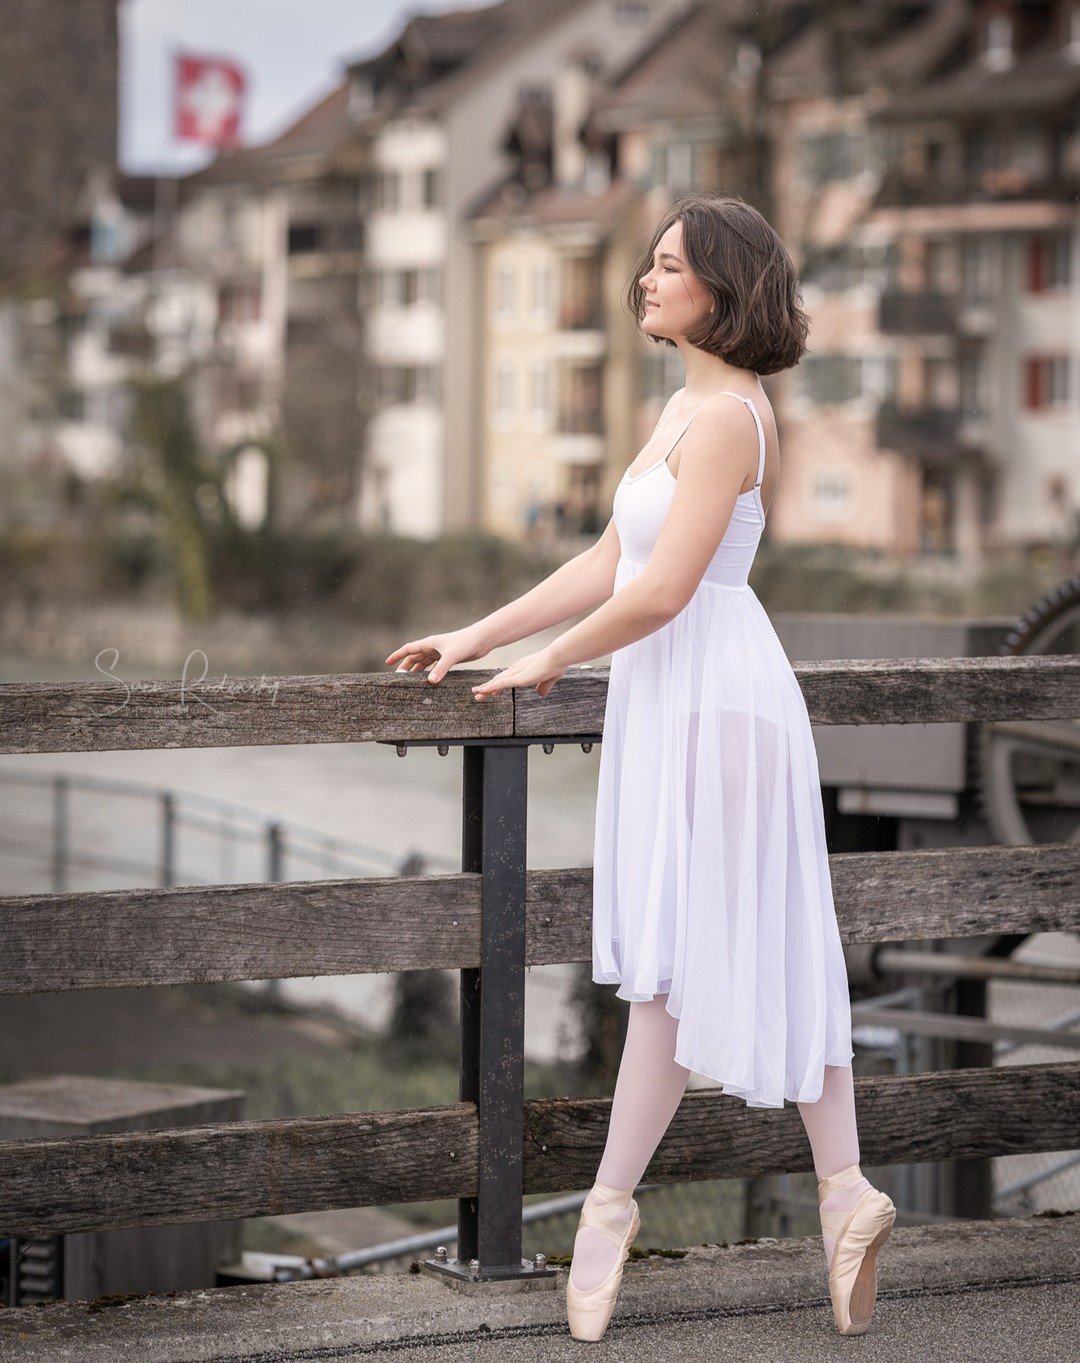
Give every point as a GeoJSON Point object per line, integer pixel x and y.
{"type": "Point", "coordinates": [312, 341]}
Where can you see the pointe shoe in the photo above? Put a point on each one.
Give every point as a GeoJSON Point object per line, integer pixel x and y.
{"type": "Point", "coordinates": [860, 1232]}
{"type": "Point", "coordinates": [588, 1311]}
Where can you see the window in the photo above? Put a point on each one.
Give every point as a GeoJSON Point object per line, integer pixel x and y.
{"type": "Point", "coordinates": [973, 394]}
{"type": "Point", "coordinates": [388, 195]}
{"type": "Point", "coordinates": [304, 237]}
{"type": "Point", "coordinates": [680, 166]}
{"type": "Point", "coordinates": [407, 383]}
{"type": "Point", "coordinates": [838, 154]}
{"type": "Point", "coordinates": [429, 285]}
{"type": "Point", "coordinates": [1049, 261]}
{"type": "Point", "coordinates": [830, 494]}
{"type": "Point", "coordinates": [505, 390]}
{"type": "Point", "coordinates": [831, 378]}
{"type": "Point", "coordinates": [238, 303]}
{"type": "Point", "coordinates": [428, 385]}
{"type": "Point", "coordinates": [505, 292]}
{"type": "Point", "coordinates": [230, 223]}
{"type": "Point", "coordinates": [878, 376]}
{"type": "Point", "coordinates": [1047, 381]}
{"type": "Point", "coordinates": [540, 391]}
{"type": "Point", "coordinates": [997, 52]}
{"type": "Point", "coordinates": [673, 164]}
{"type": "Point", "coordinates": [541, 290]}
{"type": "Point", "coordinates": [1072, 34]}
{"type": "Point", "coordinates": [977, 279]}
{"type": "Point", "coordinates": [431, 188]}
{"type": "Point", "coordinates": [361, 97]}
{"type": "Point", "coordinates": [850, 265]}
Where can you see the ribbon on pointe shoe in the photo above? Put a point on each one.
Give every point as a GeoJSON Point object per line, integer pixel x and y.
{"type": "Point", "coordinates": [589, 1310]}
{"type": "Point", "coordinates": [859, 1233]}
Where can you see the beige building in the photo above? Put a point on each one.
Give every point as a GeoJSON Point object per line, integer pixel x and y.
{"type": "Point", "coordinates": [442, 99]}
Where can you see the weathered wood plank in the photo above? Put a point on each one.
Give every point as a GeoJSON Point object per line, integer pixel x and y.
{"type": "Point", "coordinates": [866, 691]}
{"type": "Point", "coordinates": [203, 934]}
{"type": "Point", "coordinates": [346, 708]}
{"type": "Point", "coordinates": [266, 1168]}
{"type": "Point", "coordinates": [200, 934]}
{"type": "Point", "coordinates": [366, 706]}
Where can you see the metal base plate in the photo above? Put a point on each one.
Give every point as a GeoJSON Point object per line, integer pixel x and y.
{"type": "Point", "coordinates": [502, 1278]}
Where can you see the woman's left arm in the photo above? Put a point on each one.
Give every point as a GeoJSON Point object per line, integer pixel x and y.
{"type": "Point", "coordinates": [714, 456]}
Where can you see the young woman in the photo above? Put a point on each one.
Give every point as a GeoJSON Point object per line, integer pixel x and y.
{"type": "Point", "coordinates": [712, 901]}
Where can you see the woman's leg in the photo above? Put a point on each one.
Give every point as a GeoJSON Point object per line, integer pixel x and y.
{"type": "Point", "coordinates": [834, 1139]}
{"type": "Point", "coordinates": [648, 1090]}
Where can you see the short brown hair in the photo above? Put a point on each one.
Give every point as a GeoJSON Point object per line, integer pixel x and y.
{"type": "Point", "coordinates": [758, 323]}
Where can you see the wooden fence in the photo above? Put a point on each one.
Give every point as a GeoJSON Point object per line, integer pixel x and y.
{"type": "Point", "coordinates": [490, 921]}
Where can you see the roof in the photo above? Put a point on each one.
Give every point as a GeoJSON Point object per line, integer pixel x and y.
{"type": "Point", "coordinates": [553, 206]}
{"type": "Point", "coordinates": [437, 57]}
{"type": "Point", "coordinates": [1041, 81]}
{"type": "Point", "coordinates": [680, 75]}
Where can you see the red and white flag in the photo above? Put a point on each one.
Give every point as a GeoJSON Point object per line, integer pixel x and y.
{"type": "Point", "coordinates": [209, 100]}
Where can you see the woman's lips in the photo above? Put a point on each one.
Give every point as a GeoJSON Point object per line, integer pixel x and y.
{"type": "Point", "coordinates": [652, 305]}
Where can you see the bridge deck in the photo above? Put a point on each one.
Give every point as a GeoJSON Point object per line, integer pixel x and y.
{"type": "Point", "coordinates": [1007, 1289]}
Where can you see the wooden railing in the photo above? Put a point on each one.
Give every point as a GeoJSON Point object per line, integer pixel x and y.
{"type": "Point", "coordinates": [490, 921]}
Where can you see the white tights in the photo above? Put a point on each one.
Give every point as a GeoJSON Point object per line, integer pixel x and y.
{"type": "Point", "coordinates": [648, 1090]}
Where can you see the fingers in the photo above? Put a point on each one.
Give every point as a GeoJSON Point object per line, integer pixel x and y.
{"type": "Point", "coordinates": [413, 649]}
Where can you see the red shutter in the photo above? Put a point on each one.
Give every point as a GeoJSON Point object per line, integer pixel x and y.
{"type": "Point", "coordinates": [1032, 384]}
{"type": "Point", "coordinates": [1036, 264]}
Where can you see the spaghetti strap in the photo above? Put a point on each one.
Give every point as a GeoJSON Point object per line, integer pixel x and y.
{"type": "Point", "coordinates": [761, 445]}
{"type": "Point", "coordinates": [626, 476]}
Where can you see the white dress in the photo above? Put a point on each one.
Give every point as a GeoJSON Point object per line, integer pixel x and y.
{"type": "Point", "coordinates": [710, 871]}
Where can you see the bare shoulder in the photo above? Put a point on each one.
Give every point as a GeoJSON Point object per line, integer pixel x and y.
{"type": "Point", "coordinates": [722, 431]}
{"type": "Point", "coordinates": [726, 415]}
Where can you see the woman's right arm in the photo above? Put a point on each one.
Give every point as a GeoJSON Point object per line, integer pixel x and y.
{"type": "Point", "coordinates": [584, 582]}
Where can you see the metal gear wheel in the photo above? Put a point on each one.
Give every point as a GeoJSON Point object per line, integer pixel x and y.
{"type": "Point", "coordinates": [1027, 772]}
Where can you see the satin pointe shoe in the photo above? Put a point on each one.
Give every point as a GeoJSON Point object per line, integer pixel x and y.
{"type": "Point", "coordinates": [588, 1312]}
{"type": "Point", "coordinates": [860, 1232]}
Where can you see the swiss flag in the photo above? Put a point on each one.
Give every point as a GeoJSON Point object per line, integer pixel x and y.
{"type": "Point", "coordinates": [209, 96]}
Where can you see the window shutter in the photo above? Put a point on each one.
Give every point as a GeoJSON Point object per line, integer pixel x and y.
{"type": "Point", "coordinates": [1036, 264]}
{"type": "Point", "coordinates": [1033, 388]}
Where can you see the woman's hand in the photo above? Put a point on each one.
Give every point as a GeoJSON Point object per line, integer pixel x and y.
{"type": "Point", "coordinates": [535, 669]}
{"type": "Point", "coordinates": [439, 652]}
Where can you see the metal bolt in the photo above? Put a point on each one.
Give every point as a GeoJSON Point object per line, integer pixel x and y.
{"type": "Point", "coordinates": [440, 1254]}
{"type": "Point", "coordinates": [402, 749]}
{"type": "Point", "coordinates": [549, 747]}
{"type": "Point", "coordinates": [453, 1154]}
{"type": "Point", "coordinates": [474, 1264]}
{"type": "Point", "coordinates": [543, 1147]}
{"type": "Point", "coordinates": [586, 747]}
{"type": "Point", "coordinates": [539, 1260]}
{"type": "Point", "coordinates": [444, 748]}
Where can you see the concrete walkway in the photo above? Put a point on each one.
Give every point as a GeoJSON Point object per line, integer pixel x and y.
{"type": "Point", "coordinates": [991, 1290]}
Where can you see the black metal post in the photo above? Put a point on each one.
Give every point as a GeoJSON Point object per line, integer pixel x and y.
{"type": "Point", "coordinates": [493, 843]}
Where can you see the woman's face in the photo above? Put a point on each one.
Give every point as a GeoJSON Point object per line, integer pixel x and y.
{"type": "Point", "coordinates": [675, 299]}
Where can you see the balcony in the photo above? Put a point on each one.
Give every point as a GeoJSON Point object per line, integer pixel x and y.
{"type": "Point", "coordinates": [933, 433]}
{"type": "Point", "coordinates": [579, 421]}
{"type": "Point", "coordinates": [999, 184]}
{"type": "Point", "coordinates": [583, 315]}
{"type": "Point", "coordinates": [909, 313]}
